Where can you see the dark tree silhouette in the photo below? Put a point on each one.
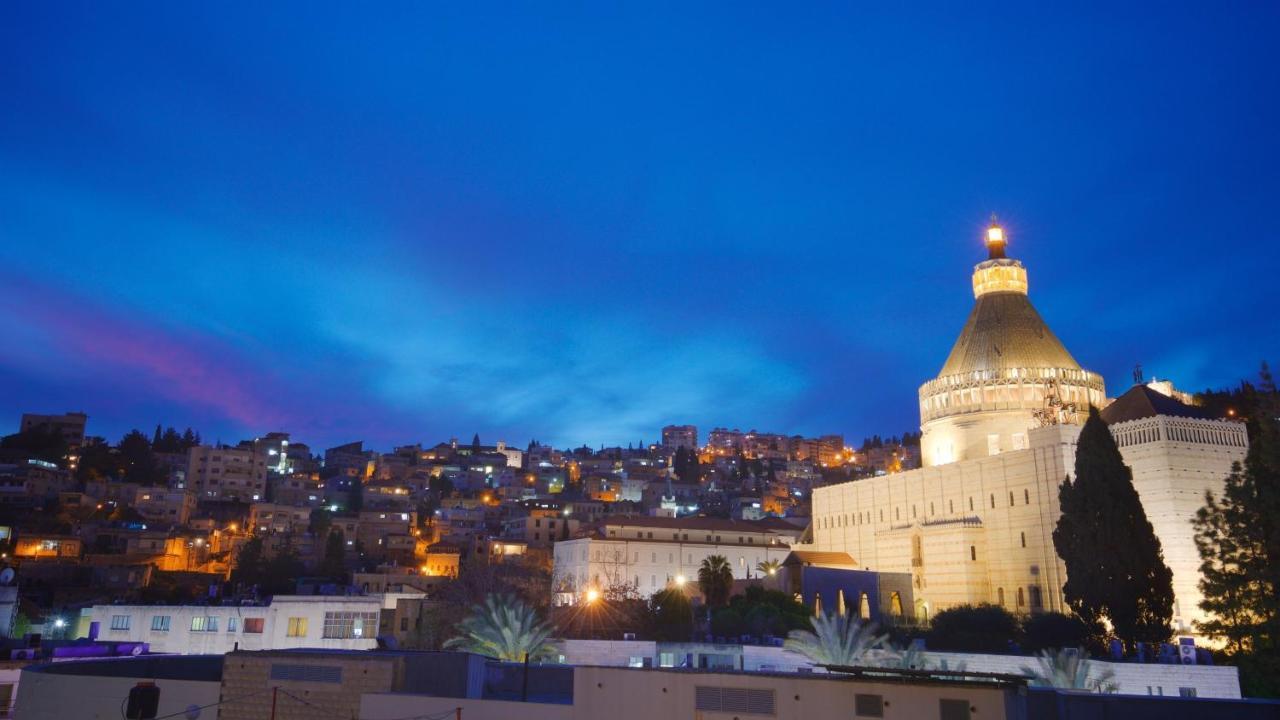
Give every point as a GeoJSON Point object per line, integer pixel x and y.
{"type": "Point", "coordinates": [1115, 568]}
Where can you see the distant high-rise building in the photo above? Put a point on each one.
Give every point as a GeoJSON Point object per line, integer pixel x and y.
{"type": "Point", "coordinates": [69, 425]}
{"type": "Point", "coordinates": [223, 473]}
{"type": "Point", "coordinates": [680, 436]}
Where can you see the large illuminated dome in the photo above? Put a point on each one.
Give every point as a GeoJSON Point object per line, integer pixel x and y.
{"type": "Point", "coordinates": [1006, 373]}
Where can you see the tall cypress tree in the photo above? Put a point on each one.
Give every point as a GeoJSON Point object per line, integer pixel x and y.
{"type": "Point", "coordinates": [1115, 568]}
{"type": "Point", "coordinates": [1238, 535]}
{"type": "Point", "coordinates": [334, 563]}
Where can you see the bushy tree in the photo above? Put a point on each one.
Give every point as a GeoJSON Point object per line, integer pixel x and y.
{"type": "Point", "coordinates": [973, 628]}
{"type": "Point", "coordinates": [715, 580]}
{"type": "Point", "coordinates": [1054, 631]}
{"type": "Point", "coordinates": [319, 523]}
{"type": "Point", "coordinates": [671, 616]}
{"type": "Point", "coordinates": [139, 461]}
{"type": "Point", "coordinates": [1115, 567]}
{"type": "Point", "coordinates": [250, 563]}
{"type": "Point", "coordinates": [759, 612]}
{"type": "Point", "coordinates": [1238, 536]}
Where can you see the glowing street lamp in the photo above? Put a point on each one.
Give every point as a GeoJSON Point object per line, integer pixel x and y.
{"type": "Point", "coordinates": [593, 595]}
{"type": "Point", "coordinates": [680, 581]}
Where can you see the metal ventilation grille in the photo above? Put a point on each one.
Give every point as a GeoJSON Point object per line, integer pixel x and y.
{"type": "Point", "coordinates": [736, 700]}
{"type": "Point", "coordinates": [307, 673]}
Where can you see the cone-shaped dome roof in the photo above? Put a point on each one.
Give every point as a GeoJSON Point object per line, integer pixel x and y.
{"type": "Point", "coordinates": [1004, 331]}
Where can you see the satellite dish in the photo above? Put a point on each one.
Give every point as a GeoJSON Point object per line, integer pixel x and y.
{"type": "Point", "coordinates": [192, 712]}
{"type": "Point", "coordinates": [6, 576]}
{"type": "Point", "coordinates": [137, 650]}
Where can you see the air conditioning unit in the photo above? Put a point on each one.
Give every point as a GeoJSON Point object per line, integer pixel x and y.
{"type": "Point", "coordinates": [1187, 654]}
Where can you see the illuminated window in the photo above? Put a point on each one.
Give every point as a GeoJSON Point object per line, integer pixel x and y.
{"type": "Point", "coordinates": [297, 627]}
{"type": "Point", "coordinates": [254, 625]}
{"type": "Point", "coordinates": [204, 624]}
{"type": "Point", "coordinates": [348, 625]}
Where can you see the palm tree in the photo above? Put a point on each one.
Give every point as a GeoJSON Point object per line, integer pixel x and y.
{"type": "Point", "coordinates": [836, 640]}
{"type": "Point", "coordinates": [715, 579]}
{"type": "Point", "coordinates": [768, 567]}
{"type": "Point", "coordinates": [503, 627]}
{"type": "Point", "coordinates": [908, 658]}
{"type": "Point", "coordinates": [1068, 669]}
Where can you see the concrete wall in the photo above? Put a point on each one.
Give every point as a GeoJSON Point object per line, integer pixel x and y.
{"type": "Point", "coordinates": [47, 696]}
{"type": "Point", "coordinates": [385, 706]}
{"type": "Point", "coordinates": [247, 685]}
{"type": "Point", "coordinates": [1209, 681]}
{"type": "Point", "coordinates": [627, 694]}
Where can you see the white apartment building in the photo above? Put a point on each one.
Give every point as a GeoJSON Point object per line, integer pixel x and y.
{"type": "Point", "coordinates": [293, 621]}
{"type": "Point", "coordinates": [650, 553]}
{"type": "Point", "coordinates": [162, 505]}
{"type": "Point", "coordinates": [216, 473]}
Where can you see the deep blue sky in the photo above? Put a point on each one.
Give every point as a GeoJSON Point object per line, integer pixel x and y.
{"type": "Point", "coordinates": [405, 222]}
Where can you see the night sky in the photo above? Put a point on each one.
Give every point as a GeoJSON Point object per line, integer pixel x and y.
{"type": "Point", "coordinates": [402, 223]}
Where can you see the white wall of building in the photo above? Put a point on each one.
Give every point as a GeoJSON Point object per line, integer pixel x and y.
{"type": "Point", "coordinates": [650, 564]}
{"type": "Point", "coordinates": [288, 622]}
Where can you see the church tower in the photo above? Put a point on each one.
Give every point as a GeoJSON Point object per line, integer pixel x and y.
{"type": "Point", "coordinates": [1007, 372]}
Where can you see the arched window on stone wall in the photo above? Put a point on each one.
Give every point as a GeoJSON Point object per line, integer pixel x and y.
{"type": "Point", "coordinates": [1026, 496]}
{"type": "Point", "coordinates": [1024, 539]}
{"type": "Point", "coordinates": [1000, 597]}
{"type": "Point", "coordinates": [1021, 601]}
{"type": "Point", "coordinates": [864, 607]}
{"type": "Point", "coordinates": [993, 501]}
{"type": "Point", "coordinates": [895, 604]}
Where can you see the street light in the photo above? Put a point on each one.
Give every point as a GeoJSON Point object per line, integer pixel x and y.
{"type": "Point", "coordinates": [593, 595]}
{"type": "Point", "coordinates": [680, 580]}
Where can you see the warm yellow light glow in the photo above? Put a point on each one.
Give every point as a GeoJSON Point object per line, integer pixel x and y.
{"type": "Point", "coordinates": [995, 233]}
{"type": "Point", "coordinates": [593, 595]}
{"type": "Point", "coordinates": [680, 580]}
{"type": "Point", "coordinates": [772, 571]}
